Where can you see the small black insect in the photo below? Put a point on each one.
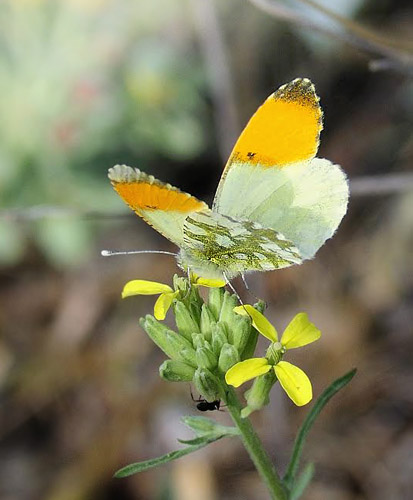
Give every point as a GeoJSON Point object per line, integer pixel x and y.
{"type": "Point", "coordinates": [204, 405]}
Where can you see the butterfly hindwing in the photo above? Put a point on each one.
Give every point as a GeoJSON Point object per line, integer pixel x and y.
{"type": "Point", "coordinates": [305, 201]}
{"type": "Point", "coordinates": [215, 245]}
{"type": "Point", "coordinates": [161, 205]}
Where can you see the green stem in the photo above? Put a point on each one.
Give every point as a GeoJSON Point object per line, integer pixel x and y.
{"type": "Point", "coordinates": [254, 447]}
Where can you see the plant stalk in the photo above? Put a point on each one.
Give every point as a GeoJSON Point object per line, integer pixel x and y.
{"type": "Point", "coordinates": [254, 447]}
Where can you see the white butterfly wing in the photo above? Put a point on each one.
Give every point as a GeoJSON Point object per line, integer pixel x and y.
{"type": "Point", "coordinates": [304, 201]}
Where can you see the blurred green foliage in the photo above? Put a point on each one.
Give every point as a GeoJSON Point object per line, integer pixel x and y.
{"type": "Point", "coordinates": [83, 85]}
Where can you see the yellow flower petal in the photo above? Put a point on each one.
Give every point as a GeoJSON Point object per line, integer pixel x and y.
{"type": "Point", "coordinates": [300, 332]}
{"type": "Point", "coordinates": [162, 305]}
{"type": "Point", "coordinates": [143, 287]}
{"type": "Point", "coordinates": [210, 283]}
{"type": "Point", "coordinates": [246, 370]}
{"type": "Point", "coordinates": [294, 382]}
{"type": "Point", "coordinates": [259, 321]}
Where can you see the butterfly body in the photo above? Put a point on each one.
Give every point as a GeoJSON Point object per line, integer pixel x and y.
{"type": "Point", "coordinates": [275, 205]}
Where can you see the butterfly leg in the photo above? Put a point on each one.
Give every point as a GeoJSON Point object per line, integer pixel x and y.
{"type": "Point", "coordinates": [192, 396]}
{"type": "Point", "coordinates": [230, 285]}
{"type": "Point", "coordinates": [247, 287]}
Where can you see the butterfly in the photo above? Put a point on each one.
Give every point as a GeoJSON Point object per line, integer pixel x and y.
{"type": "Point", "coordinates": [276, 203]}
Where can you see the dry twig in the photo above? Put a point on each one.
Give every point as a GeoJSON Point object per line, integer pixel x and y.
{"type": "Point", "coordinates": [397, 55]}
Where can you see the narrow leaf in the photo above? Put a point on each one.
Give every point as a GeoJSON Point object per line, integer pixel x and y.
{"type": "Point", "coordinates": [309, 421]}
{"type": "Point", "coordinates": [134, 468]}
{"type": "Point", "coordinates": [196, 441]}
{"type": "Point", "coordinates": [207, 432]}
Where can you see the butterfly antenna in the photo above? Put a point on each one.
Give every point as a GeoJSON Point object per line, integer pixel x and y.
{"type": "Point", "coordinates": [111, 253]}
{"type": "Point", "coordinates": [230, 285]}
{"type": "Point", "coordinates": [247, 287]}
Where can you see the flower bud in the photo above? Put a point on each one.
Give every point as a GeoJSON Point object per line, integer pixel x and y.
{"type": "Point", "coordinates": [227, 313]}
{"type": "Point", "coordinates": [207, 321]}
{"type": "Point", "coordinates": [198, 340]}
{"type": "Point", "coordinates": [228, 357]}
{"type": "Point", "coordinates": [200, 425]}
{"type": "Point", "coordinates": [176, 371]}
{"type": "Point", "coordinates": [258, 395]}
{"type": "Point", "coordinates": [184, 321]}
{"type": "Point", "coordinates": [219, 337]}
{"type": "Point", "coordinates": [183, 348]}
{"type": "Point", "coordinates": [205, 358]}
{"type": "Point", "coordinates": [194, 307]}
{"type": "Point", "coordinates": [207, 384]}
{"type": "Point", "coordinates": [157, 331]}
{"type": "Point", "coordinates": [180, 284]}
{"type": "Point", "coordinates": [215, 299]}
{"type": "Point", "coordinates": [260, 306]}
{"type": "Point", "coordinates": [241, 329]}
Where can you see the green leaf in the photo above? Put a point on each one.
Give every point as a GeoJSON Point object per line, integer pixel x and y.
{"type": "Point", "coordinates": [131, 469]}
{"type": "Point", "coordinates": [207, 431]}
{"type": "Point", "coordinates": [302, 482]}
{"type": "Point", "coordinates": [195, 441]}
{"type": "Point", "coordinates": [308, 423]}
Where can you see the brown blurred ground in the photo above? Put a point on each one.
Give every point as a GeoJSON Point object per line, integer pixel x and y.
{"type": "Point", "coordinates": [79, 385]}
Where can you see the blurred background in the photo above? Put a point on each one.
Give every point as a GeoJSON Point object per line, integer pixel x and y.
{"type": "Point", "coordinates": [167, 86]}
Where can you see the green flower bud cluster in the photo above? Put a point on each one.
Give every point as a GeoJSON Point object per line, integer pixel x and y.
{"type": "Point", "coordinates": [209, 338]}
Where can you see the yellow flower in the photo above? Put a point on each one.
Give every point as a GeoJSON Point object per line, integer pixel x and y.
{"type": "Point", "coordinates": [143, 287]}
{"type": "Point", "coordinates": [293, 380]}
{"type": "Point", "coordinates": [166, 293]}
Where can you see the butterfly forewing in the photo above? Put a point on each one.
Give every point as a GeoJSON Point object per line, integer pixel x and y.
{"type": "Point", "coordinates": [285, 129]}
{"type": "Point", "coordinates": [161, 205]}
{"type": "Point", "coordinates": [275, 180]}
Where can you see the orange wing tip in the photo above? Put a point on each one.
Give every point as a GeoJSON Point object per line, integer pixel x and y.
{"type": "Point", "coordinates": [284, 130]}
{"type": "Point", "coordinates": [300, 91]}
{"type": "Point", "coordinates": [143, 192]}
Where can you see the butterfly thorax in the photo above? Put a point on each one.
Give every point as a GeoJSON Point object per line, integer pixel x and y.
{"type": "Point", "coordinates": [216, 245]}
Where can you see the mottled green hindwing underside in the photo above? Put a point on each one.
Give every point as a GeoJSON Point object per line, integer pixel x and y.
{"type": "Point", "coordinates": [215, 244]}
